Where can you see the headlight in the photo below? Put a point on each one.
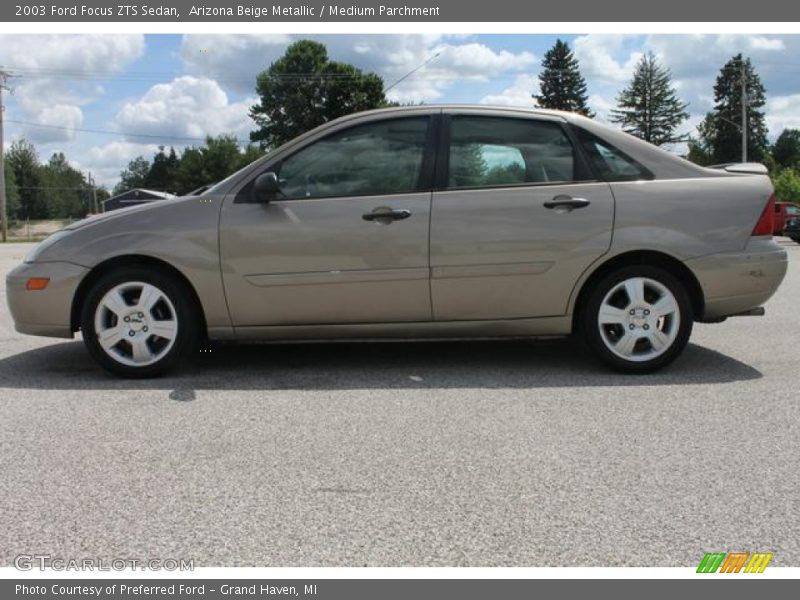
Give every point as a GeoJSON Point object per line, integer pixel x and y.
{"type": "Point", "coordinates": [45, 244]}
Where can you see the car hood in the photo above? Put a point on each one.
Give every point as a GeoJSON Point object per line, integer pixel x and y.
{"type": "Point", "coordinates": [119, 213]}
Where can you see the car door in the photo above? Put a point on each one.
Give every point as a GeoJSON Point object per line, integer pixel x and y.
{"type": "Point", "coordinates": [346, 238]}
{"type": "Point", "coordinates": [518, 219]}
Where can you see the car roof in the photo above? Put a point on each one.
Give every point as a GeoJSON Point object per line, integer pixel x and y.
{"type": "Point", "coordinates": [489, 108]}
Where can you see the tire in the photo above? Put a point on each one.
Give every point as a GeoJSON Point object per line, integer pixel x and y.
{"type": "Point", "coordinates": [123, 336]}
{"type": "Point", "coordinates": [795, 239]}
{"type": "Point", "coordinates": [651, 336]}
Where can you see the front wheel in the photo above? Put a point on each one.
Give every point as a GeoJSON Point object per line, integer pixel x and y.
{"type": "Point", "coordinates": [637, 319]}
{"type": "Point", "coordinates": [138, 323]}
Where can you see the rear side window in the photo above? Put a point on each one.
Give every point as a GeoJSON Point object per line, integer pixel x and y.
{"type": "Point", "coordinates": [498, 151]}
{"type": "Point", "coordinates": [609, 162]}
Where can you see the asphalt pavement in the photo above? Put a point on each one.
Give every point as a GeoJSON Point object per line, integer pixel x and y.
{"type": "Point", "coordinates": [521, 453]}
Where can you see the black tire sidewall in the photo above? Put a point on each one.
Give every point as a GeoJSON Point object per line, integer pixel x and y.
{"type": "Point", "coordinates": [186, 315]}
{"type": "Point", "coordinates": [591, 334]}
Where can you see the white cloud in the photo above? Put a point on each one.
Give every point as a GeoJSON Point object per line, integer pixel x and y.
{"type": "Point", "coordinates": [185, 107]}
{"type": "Point", "coordinates": [519, 93]}
{"type": "Point", "coordinates": [235, 60]}
{"type": "Point", "coordinates": [56, 74]}
{"type": "Point", "coordinates": [601, 106]}
{"type": "Point", "coordinates": [58, 123]}
{"type": "Point", "coordinates": [106, 161]}
{"type": "Point", "coordinates": [598, 62]}
{"type": "Point", "coordinates": [762, 43]}
{"type": "Point", "coordinates": [783, 112]}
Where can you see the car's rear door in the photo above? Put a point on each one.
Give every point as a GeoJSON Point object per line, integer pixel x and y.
{"type": "Point", "coordinates": [346, 241]}
{"type": "Point", "coordinates": [518, 220]}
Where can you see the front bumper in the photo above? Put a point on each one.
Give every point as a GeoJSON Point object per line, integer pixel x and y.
{"type": "Point", "coordinates": [44, 312]}
{"type": "Point", "coordinates": [735, 282]}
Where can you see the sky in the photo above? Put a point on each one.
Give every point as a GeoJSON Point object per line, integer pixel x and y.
{"type": "Point", "coordinates": [106, 99]}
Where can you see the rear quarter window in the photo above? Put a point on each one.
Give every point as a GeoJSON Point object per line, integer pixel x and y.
{"type": "Point", "coordinates": [610, 163]}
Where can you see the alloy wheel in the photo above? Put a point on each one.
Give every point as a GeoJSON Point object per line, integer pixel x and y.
{"type": "Point", "coordinates": [136, 323]}
{"type": "Point", "coordinates": [639, 319]}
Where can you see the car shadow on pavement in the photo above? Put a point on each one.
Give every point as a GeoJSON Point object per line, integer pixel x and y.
{"type": "Point", "coordinates": [516, 364]}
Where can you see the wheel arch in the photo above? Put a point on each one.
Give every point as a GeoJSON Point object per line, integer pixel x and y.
{"type": "Point", "coordinates": [653, 258]}
{"type": "Point", "coordinates": [130, 260]}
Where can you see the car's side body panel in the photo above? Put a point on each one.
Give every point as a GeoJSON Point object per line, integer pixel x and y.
{"type": "Point", "coordinates": [182, 233]}
{"type": "Point", "coordinates": [318, 261]}
{"type": "Point", "coordinates": [491, 262]}
{"type": "Point", "coordinates": [500, 254]}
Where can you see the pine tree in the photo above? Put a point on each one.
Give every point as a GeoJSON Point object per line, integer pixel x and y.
{"type": "Point", "coordinates": [720, 135]}
{"type": "Point", "coordinates": [561, 85]}
{"type": "Point", "coordinates": [649, 107]}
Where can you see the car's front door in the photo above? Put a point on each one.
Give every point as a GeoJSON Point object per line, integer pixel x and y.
{"type": "Point", "coordinates": [520, 218]}
{"type": "Point", "coordinates": [346, 238]}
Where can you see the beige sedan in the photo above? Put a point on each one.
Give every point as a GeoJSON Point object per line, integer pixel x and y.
{"type": "Point", "coordinates": [423, 222]}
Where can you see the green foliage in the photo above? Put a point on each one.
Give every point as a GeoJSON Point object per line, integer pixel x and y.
{"type": "Point", "coordinates": [67, 193]}
{"type": "Point", "coordinates": [561, 84]}
{"type": "Point", "coordinates": [786, 150]}
{"type": "Point", "coordinates": [304, 89]}
{"type": "Point", "coordinates": [218, 158]}
{"type": "Point", "coordinates": [719, 136]}
{"type": "Point", "coordinates": [649, 107]}
{"type": "Point", "coordinates": [134, 176]}
{"type": "Point", "coordinates": [787, 185]}
{"type": "Point", "coordinates": [24, 161]}
{"type": "Point", "coordinates": [163, 171]}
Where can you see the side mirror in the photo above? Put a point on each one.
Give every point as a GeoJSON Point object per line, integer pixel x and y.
{"type": "Point", "coordinates": [266, 187]}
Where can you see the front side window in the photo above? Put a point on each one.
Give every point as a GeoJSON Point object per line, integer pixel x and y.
{"type": "Point", "coordinates": [371, 159]}
{"type": "Point", "coordinates": [498, 151]}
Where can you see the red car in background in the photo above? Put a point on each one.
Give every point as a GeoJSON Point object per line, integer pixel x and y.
{"type": "Point", "coordinates": [787, 220]}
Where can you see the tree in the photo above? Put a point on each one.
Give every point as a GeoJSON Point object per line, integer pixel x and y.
{"type": "Point", "coordinates": [787, 185]}
{"type": "Point", "coordinates": [649, 107]}
{"type": "Point", "coordinates": [720, 135]}
{"type": "Point", "coordinates": [561, 85]}
{"type": "Point", "coordinates": [134, 176]}
{"type": "Point", "coordinates": [786, 150]}
{"type": "Point", "coordinates": [163, 173]}
{"type": "Point", "coordinates": [304, 89]}
{"type": "Point", "coordinates": [212, 162]}
{"type": "Point", "coordinates": [66, 191]}
{"type": "Point", "coordinates": [24, 161]}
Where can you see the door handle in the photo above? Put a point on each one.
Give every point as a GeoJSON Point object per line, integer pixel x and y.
{"type": "Point", "coordinates": [567, 202]}
{"type": "Point", "coordinates": [385, 214]}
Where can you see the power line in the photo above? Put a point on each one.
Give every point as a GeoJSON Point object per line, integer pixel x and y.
{"type": "Point", "coordinates": [412, 71]}
{"type": "Point", "coordinates": [117, 133]}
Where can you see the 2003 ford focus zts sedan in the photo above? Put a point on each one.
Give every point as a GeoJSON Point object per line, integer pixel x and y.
{"type": "Point", "coordinates": [423, 222]}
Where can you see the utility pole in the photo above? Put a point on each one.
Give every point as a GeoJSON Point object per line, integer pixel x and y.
{"type": "Point", "coordinates": [744, 112]}
{"type": "Point", "coordinates": [95, 208]}
{"type": "Point", "coordinates": [3, 210]}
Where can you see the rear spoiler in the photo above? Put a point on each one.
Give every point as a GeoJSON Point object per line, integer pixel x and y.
{"type": "Point", "coordinates": [749, 167]}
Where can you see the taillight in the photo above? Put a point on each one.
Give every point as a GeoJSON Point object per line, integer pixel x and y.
{"type": "Point", "coordinates": [766, 222]}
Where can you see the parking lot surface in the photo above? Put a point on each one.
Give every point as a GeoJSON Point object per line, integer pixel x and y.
{"type": "Point", "coordinates": [521, 453]}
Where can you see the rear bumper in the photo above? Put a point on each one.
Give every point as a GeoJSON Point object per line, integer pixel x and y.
{"type": "Point", "coordinates": [734, 282]}
{"type": "Point", "coordinates": [44, 312]}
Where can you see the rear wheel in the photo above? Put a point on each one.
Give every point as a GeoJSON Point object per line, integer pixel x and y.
{"type": "Point", "coordinates": [138, 323]}
{"type": "Point", "coordinates": [637, 319]}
